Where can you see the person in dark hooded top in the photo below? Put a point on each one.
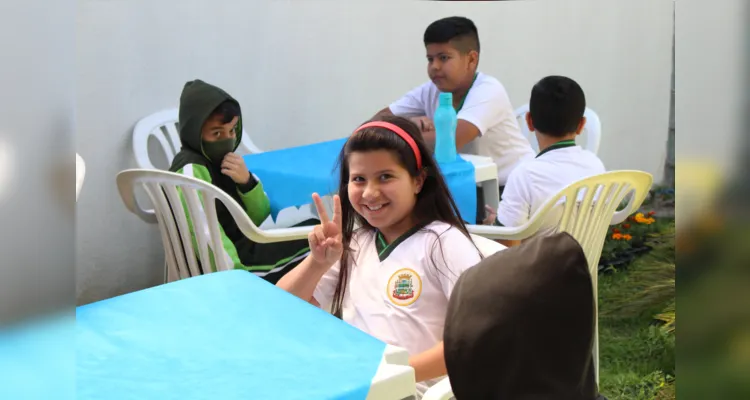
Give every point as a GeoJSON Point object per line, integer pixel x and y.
{"type": "Point", "coordinates": [210, 124]}
{"type": "Point", "coordinates": [520, 325]}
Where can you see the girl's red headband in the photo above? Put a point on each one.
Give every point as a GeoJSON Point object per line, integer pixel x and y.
{"type": "Point", "coordinates": [395, 129]}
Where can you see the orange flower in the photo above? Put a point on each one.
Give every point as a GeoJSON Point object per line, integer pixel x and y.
{"type": "Point", "coordinates": [626, 226]}
{"type": "Point", "coordinates": [617, 236]}
{"type": "Point", "coordinates": [639, 218]}
{"type": "Point", "coordinates": [626, 237]}
{"type": "Point", "coordinates": [615, 230]}
{"type": "Point", "coordinates": [651, 213]}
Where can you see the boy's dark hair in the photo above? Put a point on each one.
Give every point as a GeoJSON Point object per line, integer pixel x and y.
{"type": "Point", "coordinates": [460, 31]}
{"type": "Point", "coordinates": [227, 110]}
{"type": "Point", "coordinates": [557, 105]}
{"type": "Point", "coordinates": [434, 201]}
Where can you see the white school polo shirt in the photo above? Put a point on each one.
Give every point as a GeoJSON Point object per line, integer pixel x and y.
{"type": "Point", "coordinates": [487, 106]}
{"type": "Point", "coordinates": [536, 180]}
{"type": "Point", "coordinates": [399, 293]}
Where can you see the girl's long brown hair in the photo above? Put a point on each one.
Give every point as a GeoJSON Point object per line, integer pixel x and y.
{"type": "Point", "coordinates": [434, 201]}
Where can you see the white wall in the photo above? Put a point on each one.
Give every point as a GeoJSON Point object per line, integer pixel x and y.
{"type": "Point", "coordinates": [307, 71]}
{"type": "Point", "coordinates": [37, 105]}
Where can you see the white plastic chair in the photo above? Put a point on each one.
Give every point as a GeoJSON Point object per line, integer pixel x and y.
{"type": "Point", "coordinates": [200, 196]}
{"type": "Point", "coordinates": [164, 126]}
{"type": "Point", "coordinates": [439, 391]}
{"type": "Point", "coordinates": [597, 200]}
{"type": "Point", "coordinates": [80, 174]}
{"type": "Point", "coordinates": [592, 129]}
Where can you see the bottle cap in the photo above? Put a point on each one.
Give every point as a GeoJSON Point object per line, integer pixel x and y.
{"type": "Point", "coordinates": [446, 99]}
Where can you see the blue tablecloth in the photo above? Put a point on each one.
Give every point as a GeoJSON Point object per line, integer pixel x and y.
{"type": "Point", "coordinates": [290, 176]}
{"type": "Point", "coordinates": [226, 335]}
{"type": "Point", "coordinates": [37, 360]}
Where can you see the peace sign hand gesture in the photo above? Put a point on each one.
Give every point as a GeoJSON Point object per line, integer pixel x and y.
{"type": "Point", "coordinates": [325, 239]}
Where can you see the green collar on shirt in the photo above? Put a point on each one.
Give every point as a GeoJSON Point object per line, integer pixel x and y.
{"type": "Point", "coordinates": [384, 249]}
{"type": "Point", "coordinates": [559, 145]}
{"type": "Point", "coordinates": [461, 104]}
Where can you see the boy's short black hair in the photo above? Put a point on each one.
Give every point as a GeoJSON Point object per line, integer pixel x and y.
{"type": "Point", "coordinates": [227, 110]}
{"type": "Point", "coordinates": [557, 105]}
{"type": "Point", "coordinates": [460, 31]}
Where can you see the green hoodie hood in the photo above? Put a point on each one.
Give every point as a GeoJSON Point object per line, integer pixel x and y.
{"type": "Point", "coordinates": [198, 100]}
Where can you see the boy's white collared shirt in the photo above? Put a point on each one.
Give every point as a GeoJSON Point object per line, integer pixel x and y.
{"type": "Point", "coordinates": [401, 296]}
{"type": "Point", "coordinates": [535, 181]}
{"type": "Point", "coordinates": [487, 106]}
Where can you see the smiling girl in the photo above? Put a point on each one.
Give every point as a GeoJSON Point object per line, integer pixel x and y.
{"type": "Point", "coordinates": [388, 259]}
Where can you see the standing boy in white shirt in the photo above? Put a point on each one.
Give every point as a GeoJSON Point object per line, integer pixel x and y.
{"type": "Point", "coordinates": [487, 124]}
{"type": "Point", "coordinates": [556, 117]}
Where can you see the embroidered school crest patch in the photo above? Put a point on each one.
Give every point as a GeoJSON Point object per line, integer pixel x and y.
{"type": "Point", "coordinates": [404, 287]}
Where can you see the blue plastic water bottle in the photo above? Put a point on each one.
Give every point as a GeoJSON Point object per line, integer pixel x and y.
{"type": "Point", "coordinates": [445, 129]}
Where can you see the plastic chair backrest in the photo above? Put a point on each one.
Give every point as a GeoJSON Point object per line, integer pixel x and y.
{"type": "Point", "coordinates": [164, 126]}
{"type": "Point", "coordinates": [592, 130]}
{"type": "Point", "coordinates": [597, 199]}
{"type": "Point", "coordinates": [587, 219]}
{"type": "Point", "coordinates": [587, 227]}
{"type": "Point", "coordinates": [200, 199]}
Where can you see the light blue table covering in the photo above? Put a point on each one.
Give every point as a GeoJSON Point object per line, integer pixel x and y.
{"type": "Point", "coordinates": [37, 360]}
{"type": "Point", "coordinates": [291, 175]}
{"type": "Point", "coordinates": [225, 335]}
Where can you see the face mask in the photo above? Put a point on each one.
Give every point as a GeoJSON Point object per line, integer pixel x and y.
{"type": "Point", "coordinates": [215, 151]}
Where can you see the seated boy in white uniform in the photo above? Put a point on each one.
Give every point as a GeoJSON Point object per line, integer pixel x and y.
{"type": "Point", "coordinates": [487, 125]}
{"type": "Point", "coordinates": [556, 117]}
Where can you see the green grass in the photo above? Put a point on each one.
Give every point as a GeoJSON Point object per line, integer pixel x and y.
{"type": "Point", "coordinates": [636, 350]}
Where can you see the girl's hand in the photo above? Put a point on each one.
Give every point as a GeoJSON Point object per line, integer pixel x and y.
{"type": "Point", "coordinates": [325, 240]}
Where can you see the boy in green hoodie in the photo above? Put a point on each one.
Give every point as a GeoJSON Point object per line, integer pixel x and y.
{"type": "Point", "coordinates": [210, 131]}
